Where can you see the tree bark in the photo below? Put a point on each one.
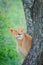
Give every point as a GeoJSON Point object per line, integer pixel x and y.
{"type": "Point", "coordinates": [35, 29]}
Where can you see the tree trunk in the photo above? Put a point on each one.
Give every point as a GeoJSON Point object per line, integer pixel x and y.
{"type": "Point", "coordinates": [34, 28]}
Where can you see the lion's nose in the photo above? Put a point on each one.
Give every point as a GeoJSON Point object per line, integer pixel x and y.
{"type": "Point", "coordinates": [19, 34]}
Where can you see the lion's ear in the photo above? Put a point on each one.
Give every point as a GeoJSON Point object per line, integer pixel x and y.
{"type": "Point", "coordinates": [11, 29]}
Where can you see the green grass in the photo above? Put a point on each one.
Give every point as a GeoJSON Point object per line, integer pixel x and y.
{"type": "Point", "coordinates": [11, 16]}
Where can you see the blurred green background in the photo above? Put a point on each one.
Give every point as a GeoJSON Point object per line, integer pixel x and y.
{"type": "Point", "coordinates": [11, 16]}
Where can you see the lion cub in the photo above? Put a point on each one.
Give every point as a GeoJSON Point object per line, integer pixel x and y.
{"type": "Point", "coordinates": [24, 41]}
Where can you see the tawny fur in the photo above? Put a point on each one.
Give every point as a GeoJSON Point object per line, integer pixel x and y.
{"type": "Point", "coordinates": [23, 44]}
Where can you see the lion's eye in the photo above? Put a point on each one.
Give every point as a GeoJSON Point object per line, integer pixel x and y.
{"type": "Point", "coordinates": [15, 30]}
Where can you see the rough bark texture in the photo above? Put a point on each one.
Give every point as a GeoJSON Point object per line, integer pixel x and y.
{"type": "Point", "coordinates": [34, 20]}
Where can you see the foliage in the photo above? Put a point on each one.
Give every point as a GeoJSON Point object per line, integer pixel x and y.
{"type": "Point", "coordinates": [11, 16]}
